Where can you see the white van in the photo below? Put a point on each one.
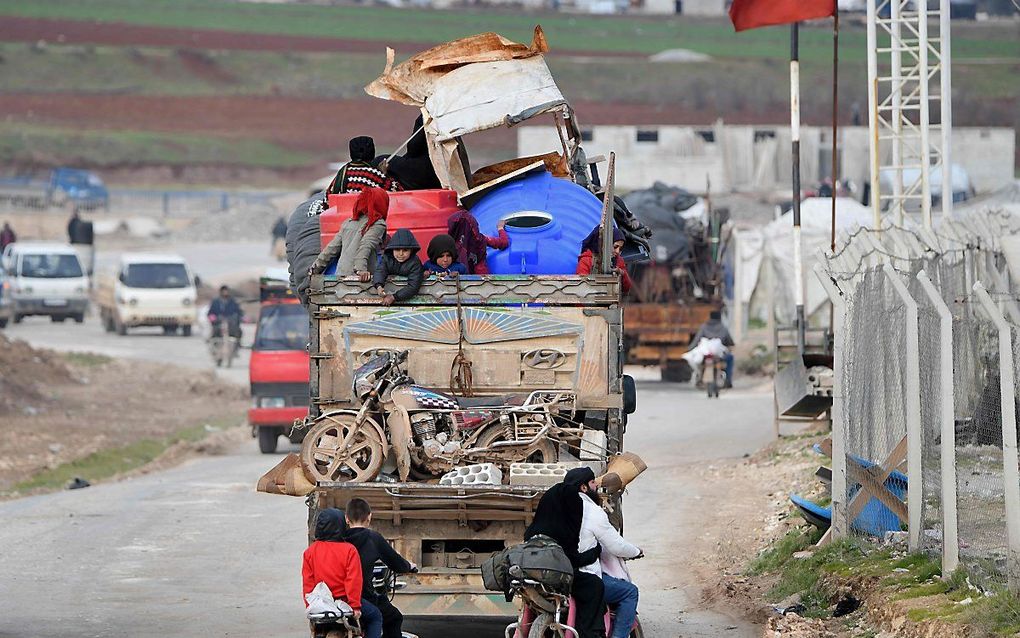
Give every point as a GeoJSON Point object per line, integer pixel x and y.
{"type": "Point", "coordinates": [148, 290]}
{"type": "Point", "coordinates": [42, 278]}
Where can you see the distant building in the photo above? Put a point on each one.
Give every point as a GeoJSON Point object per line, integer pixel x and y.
{"type": "Point", "coordinates": [757, 157]}
{"type": "Point", "coordinates": [710, 8]}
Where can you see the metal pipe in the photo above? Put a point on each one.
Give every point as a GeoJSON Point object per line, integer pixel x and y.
{"type": "Point", "coordinates": [876, 205]}
{"type": "Point", "coordinates": [798, 257]}
{"type": "Point", "coordinates": [922, 36]}
{"type": "Point", "coordinates": [946, 89]}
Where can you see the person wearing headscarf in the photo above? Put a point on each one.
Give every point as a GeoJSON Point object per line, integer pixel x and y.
{"type": "Point", "coordinates": [559, 516]}
{"type": "Point", "coordinates": [442, 252]}
{"type": "Point", "coordinates": [359, 174]}
{"type": "Point", "coordinates": [414, 170]}
{"type": "Point", "coordinates": [471, 244]}
{"type": "Point", "coordinates": [332, 560]}
{"type": "Point", "coordinates": [356, 244]}
{"type": "Point", "coordinates": [590, 259]}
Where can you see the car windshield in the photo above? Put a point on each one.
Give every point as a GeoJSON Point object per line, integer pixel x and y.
{"type": "Point", "coordinates": [156, 276]}
{"type": "Point", "coordinates": [282, 327]}
{"type": "Point", "coordinates": [50, 266]}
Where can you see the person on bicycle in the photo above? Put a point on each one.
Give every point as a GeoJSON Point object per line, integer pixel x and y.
{"type": "Point", "coordinates": [372, 547]}
{"type": "Point", "coordinates": [225, 308]}
{"type": "Point", "coordinates": [559, 516]}
{"type": "Point", "coordinates": [597, 530]}
{"type": "Point", "coordinates": [714, 329]}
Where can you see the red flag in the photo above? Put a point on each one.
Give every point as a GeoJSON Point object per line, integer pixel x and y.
{"type": "Point", "coordinates": [749, 14]}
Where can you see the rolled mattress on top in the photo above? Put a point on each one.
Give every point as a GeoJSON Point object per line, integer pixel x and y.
{"type": "Point", "coordinates": [547, 219]}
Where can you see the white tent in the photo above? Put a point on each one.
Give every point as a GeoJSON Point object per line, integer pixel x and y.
{"type": "Point", "coordinates": [767, 253]}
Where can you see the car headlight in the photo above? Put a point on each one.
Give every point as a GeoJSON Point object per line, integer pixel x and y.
{"type": "Point", "coordinates": [133, 302]}
{"type": "Point", "coordinates": [80, 290]}
{"type": "Point", "coordinates": [187, 301]}
{"type": "Point", "coordinates": [272, 402]}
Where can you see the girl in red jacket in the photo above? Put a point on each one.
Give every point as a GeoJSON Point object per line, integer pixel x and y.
{"type": "Point", "coordinates": [335, 562]}
{"type": "Point", "coordinates": [591, 247]}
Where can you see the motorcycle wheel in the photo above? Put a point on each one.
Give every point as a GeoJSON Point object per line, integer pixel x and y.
{"type": "Point", "coordinates": [541, 628]}
{"type": "Point", "coordinates": [546, 452]}
{"type": "Point", "coordinates": [324, 462]}
{"type": "Point", "coordinates": [637, 632]}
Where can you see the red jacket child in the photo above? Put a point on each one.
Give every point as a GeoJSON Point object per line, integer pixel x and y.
{"type": "Point", "coordinates": [592, 243]}
{"type": "Point", "coordinates": [332, 561]}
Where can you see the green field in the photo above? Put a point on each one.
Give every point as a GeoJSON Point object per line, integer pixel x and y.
{"type": "Point", "coordinates": [54, 145]}
{"type": "Point", "coordinates": [565, 32]}
{"type": "Point", "coordinates": [746, 80]}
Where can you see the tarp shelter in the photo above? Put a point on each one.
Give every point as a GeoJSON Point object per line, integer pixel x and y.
{"type": "Point", "coordinates": [468, 85]}
{"type": "Point", "coordinates": [767, 253]}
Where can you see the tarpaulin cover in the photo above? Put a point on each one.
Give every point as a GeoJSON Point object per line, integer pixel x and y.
{"type": "Point", "coordinates": [473, 84]}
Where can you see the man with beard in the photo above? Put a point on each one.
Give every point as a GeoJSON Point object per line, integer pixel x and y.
{"type": "Point", "coordinates": [559, 516]}
{"type": "Point", "coordinates": [596, 530]}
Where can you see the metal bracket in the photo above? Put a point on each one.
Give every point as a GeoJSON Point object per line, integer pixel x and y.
{"type": "Point", "coordinates": [320, 355]}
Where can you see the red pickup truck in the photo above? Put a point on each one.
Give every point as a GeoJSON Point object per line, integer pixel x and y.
{"type": "Point", "coordinates": [278, 370]}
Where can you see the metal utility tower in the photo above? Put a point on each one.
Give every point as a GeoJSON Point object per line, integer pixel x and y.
{"type": "Point", "coordinates": [909, 75]}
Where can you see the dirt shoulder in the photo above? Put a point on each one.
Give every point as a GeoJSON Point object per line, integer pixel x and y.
{"type": "Point", "coordinates": [92, 414]}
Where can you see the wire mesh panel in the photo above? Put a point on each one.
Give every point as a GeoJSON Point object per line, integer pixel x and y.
{"type": "Point", "coordinates": [874, 373]}
{"type": "Point", "coordinates": [980, 488]}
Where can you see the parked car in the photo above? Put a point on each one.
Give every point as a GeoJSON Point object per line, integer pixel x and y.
{"type": "Point", "coordinates": [73, 187]}
{"type": "Point", "coordinates": [44, 278]}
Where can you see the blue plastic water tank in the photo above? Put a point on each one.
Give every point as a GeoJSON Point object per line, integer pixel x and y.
{"type": "Point", "coordinates": [547, 218]}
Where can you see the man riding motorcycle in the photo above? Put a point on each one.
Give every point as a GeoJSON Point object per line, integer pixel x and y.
{"type": "Point", "coordinates": [596, 530]}
{"type": "Point", "coordinates": [559, 516]}
{"type": "Point", "coordinates": [225, 308]}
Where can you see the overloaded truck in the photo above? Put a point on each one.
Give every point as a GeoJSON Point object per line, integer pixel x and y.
{"type": "Point", "coordinates": [452, 412]}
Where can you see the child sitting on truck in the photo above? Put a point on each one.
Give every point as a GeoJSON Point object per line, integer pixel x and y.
{"type": "Point", "coordinates": [442, 261]}
{"type": "Point", "coordinates": [590, 258]}
{"type": "Point", "coordinates": [355, 245]}
{"type": "Point", "coordinates": [399, 260]}
{"type": "Point", "coordinates": [471, 244]}
{"type": "Point", "coordinates": [332, 560]}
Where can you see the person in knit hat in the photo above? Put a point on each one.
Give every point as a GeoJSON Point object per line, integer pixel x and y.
{"type": "Point", "coordinates": [356, 244]}
{"type": "Point", "coordinates": [399, 260]}
{"type": "Point", "coordinates": [359, 174]}
{"type": "Point", "coordinates": [442, 261]}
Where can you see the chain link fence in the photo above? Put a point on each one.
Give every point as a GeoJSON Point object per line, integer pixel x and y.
{"type": "Point", "coordinates": [961, 496]}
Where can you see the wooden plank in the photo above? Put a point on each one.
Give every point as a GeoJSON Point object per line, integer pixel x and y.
{"type": "Point", "coordinates": [857, 503]}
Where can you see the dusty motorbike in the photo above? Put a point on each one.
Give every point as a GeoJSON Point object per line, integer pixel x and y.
{"type": "Point", "coordinates": [223, 346]}
{"type": "Point", "coordinates": [542, 611]}
{"type": "Point", "coordinates": [431, 432]}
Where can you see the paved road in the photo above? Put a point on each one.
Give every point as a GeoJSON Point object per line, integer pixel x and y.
{"type": "Point", "coordinates": [194, 551]}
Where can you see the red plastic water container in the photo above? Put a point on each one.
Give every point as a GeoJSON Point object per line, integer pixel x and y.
{"type": "Point", "coordinates": [422, 212]}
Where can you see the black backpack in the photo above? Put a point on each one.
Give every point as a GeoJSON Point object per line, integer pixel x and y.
{"type": "Point", "coordinates": [496, 572]}
{"type": "Point", "coordinates": [541, 559]}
